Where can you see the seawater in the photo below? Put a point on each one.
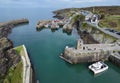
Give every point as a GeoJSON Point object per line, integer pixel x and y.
{"type": "Point", "coordinates": [44, 48]}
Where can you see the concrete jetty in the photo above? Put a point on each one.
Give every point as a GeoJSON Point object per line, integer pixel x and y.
{"type": "Point", "coordinates": [15, 22]}
{"type": "Point", "coordinates": [89, 52]}
{"type": "Point", "coordinates": [27, 69]}
{"type": "Point", "coordinates": [27, 66]}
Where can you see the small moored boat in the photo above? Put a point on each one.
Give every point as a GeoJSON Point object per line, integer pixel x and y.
{"type": "Point", "coordinates": [98, 67]}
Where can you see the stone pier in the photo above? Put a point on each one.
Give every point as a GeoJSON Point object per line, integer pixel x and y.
{"type": "Point", "coordinates": [89, 52]}
{"type": "Point", "coordinates": [15, 22]}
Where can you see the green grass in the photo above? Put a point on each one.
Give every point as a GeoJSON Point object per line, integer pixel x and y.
{"type": "Point", "coordinates": [18, 49]}
{"type": "Point", "coordinates": [14, 75]}
{"type": "Point", "coordinates": [114, 16]}
{"type": "Point", "coordinates": [111, 21]}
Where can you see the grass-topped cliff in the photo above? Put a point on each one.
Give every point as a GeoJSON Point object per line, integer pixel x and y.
{"type": "Point", "coordinates": [108, 10]}
{"type": "Point", "coordinates": [10, 61]}
{"type": "Point", "coordinates": [109, 18]}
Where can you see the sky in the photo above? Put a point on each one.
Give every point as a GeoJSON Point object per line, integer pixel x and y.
{"type": "Point", "coordinates": [57, 3]}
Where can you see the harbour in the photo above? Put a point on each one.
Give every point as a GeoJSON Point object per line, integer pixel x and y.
{"type": "Point", "coordinates": [44, 49]}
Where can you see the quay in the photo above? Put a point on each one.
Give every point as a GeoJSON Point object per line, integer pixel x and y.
{"type": "Point", "coordinates": [27, 69]}
{"type": "Point", "coordinates": [89, 52]}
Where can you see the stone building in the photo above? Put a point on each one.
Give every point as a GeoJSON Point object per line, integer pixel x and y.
{"type": "Point", "coordinates": [89, 52]}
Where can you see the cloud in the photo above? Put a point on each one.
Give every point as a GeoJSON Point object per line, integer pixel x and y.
{"type": "Point", "coordinates": [79, 1]}
{"type": "Point", "coordinates": [53, 3]}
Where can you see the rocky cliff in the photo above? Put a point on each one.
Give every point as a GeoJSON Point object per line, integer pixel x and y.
{"type": "Point", "coordinates": [96, 35]}
{"type": "Point", "coordinates": [5, 30]}
{"type": "Point", "coordinates": [8, 56]}
{"type": "Point", "coordinates": [88, 33]}
{"type": "Point", "coordinates": [6, 27]}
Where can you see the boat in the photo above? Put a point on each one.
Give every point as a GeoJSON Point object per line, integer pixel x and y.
{"type": "Point", "coordinates": [98, 67]}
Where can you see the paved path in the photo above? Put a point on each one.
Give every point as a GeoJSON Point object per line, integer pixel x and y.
{"type": "Point", "coordinates": [85, 13]}
{"type": "Point", "coordinates": [105, 31]}
{"type": "Point", "coordinates": [27, 66]}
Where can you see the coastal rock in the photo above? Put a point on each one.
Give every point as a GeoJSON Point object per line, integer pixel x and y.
{"type": "Point", "coordinates": [12, 57]}
{"type": "Point", "coordinates": [5, 30]}
{"type": "Point", "coordinates": [87, 37]}
{"type": "Point", "coordinates": [3, 62]}
{"type": "Point", "coordinates": [5, 43]}
{"type": "Point", "coordinates": [6, 27]}
{"type": "Point", "coordinates": [97, 35]}
{"type": "Point", "coordinates": [8, 56]}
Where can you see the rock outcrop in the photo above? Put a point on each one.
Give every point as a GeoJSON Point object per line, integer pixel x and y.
{"type": "Point", "coordinates": [5, 30]}
{"type": "Point", "coordinates": [6, 27]}
{"type": "Point", "coordinates": [8, 56]}
{"type": "Point", "coordinates": [96, 35]}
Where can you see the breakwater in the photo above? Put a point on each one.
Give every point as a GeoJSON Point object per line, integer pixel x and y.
{"type": "Point", "coordinates": [6, 27]}
{"type": "Point", "coordinates": [14, 22]}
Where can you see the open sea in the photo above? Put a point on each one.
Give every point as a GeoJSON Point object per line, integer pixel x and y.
{"type": "Point", "coordinates": [44, 48]}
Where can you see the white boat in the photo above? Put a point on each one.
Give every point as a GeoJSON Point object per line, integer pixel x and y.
{"type": "Point", "coordinates": [98, 67]}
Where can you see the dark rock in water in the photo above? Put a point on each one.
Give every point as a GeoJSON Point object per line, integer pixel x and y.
{"type": "Point", "coordinates": [5, 30]}
{"type": "Point", "coordinates": [8, 56]}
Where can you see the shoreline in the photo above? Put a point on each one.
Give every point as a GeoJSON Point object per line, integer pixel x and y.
{"type": "Point", "coordinates": [14, 22]}
{"type": "Point", "coordinates": [27, 68]}
{"type": "Point", "coordinates": [5, 29]}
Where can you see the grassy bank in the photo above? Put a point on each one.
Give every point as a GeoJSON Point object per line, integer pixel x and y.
{"type": "Point", "coordinates": [15, 74]}
{"type": "Point", "coordinates": [111, 21]}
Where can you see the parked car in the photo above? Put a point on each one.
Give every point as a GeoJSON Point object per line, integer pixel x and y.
{"type": "Point", "coordinates": [118, 33]}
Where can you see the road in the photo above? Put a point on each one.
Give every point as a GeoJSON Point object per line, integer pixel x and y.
{"type": "Point", "coordinates": [105, 31]}
{"type": "Point", "coordinates": [85, 13]}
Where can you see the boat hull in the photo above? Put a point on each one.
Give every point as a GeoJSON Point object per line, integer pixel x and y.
{"type": "Point", "coordinates": [99, 70]}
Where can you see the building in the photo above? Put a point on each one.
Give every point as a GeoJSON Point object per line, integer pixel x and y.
{"type": "Point", "coordinates": [89, 52]}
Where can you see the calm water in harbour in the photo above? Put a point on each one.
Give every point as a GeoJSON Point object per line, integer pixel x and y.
{"type": "Point", "coordinates": [44, 48]}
